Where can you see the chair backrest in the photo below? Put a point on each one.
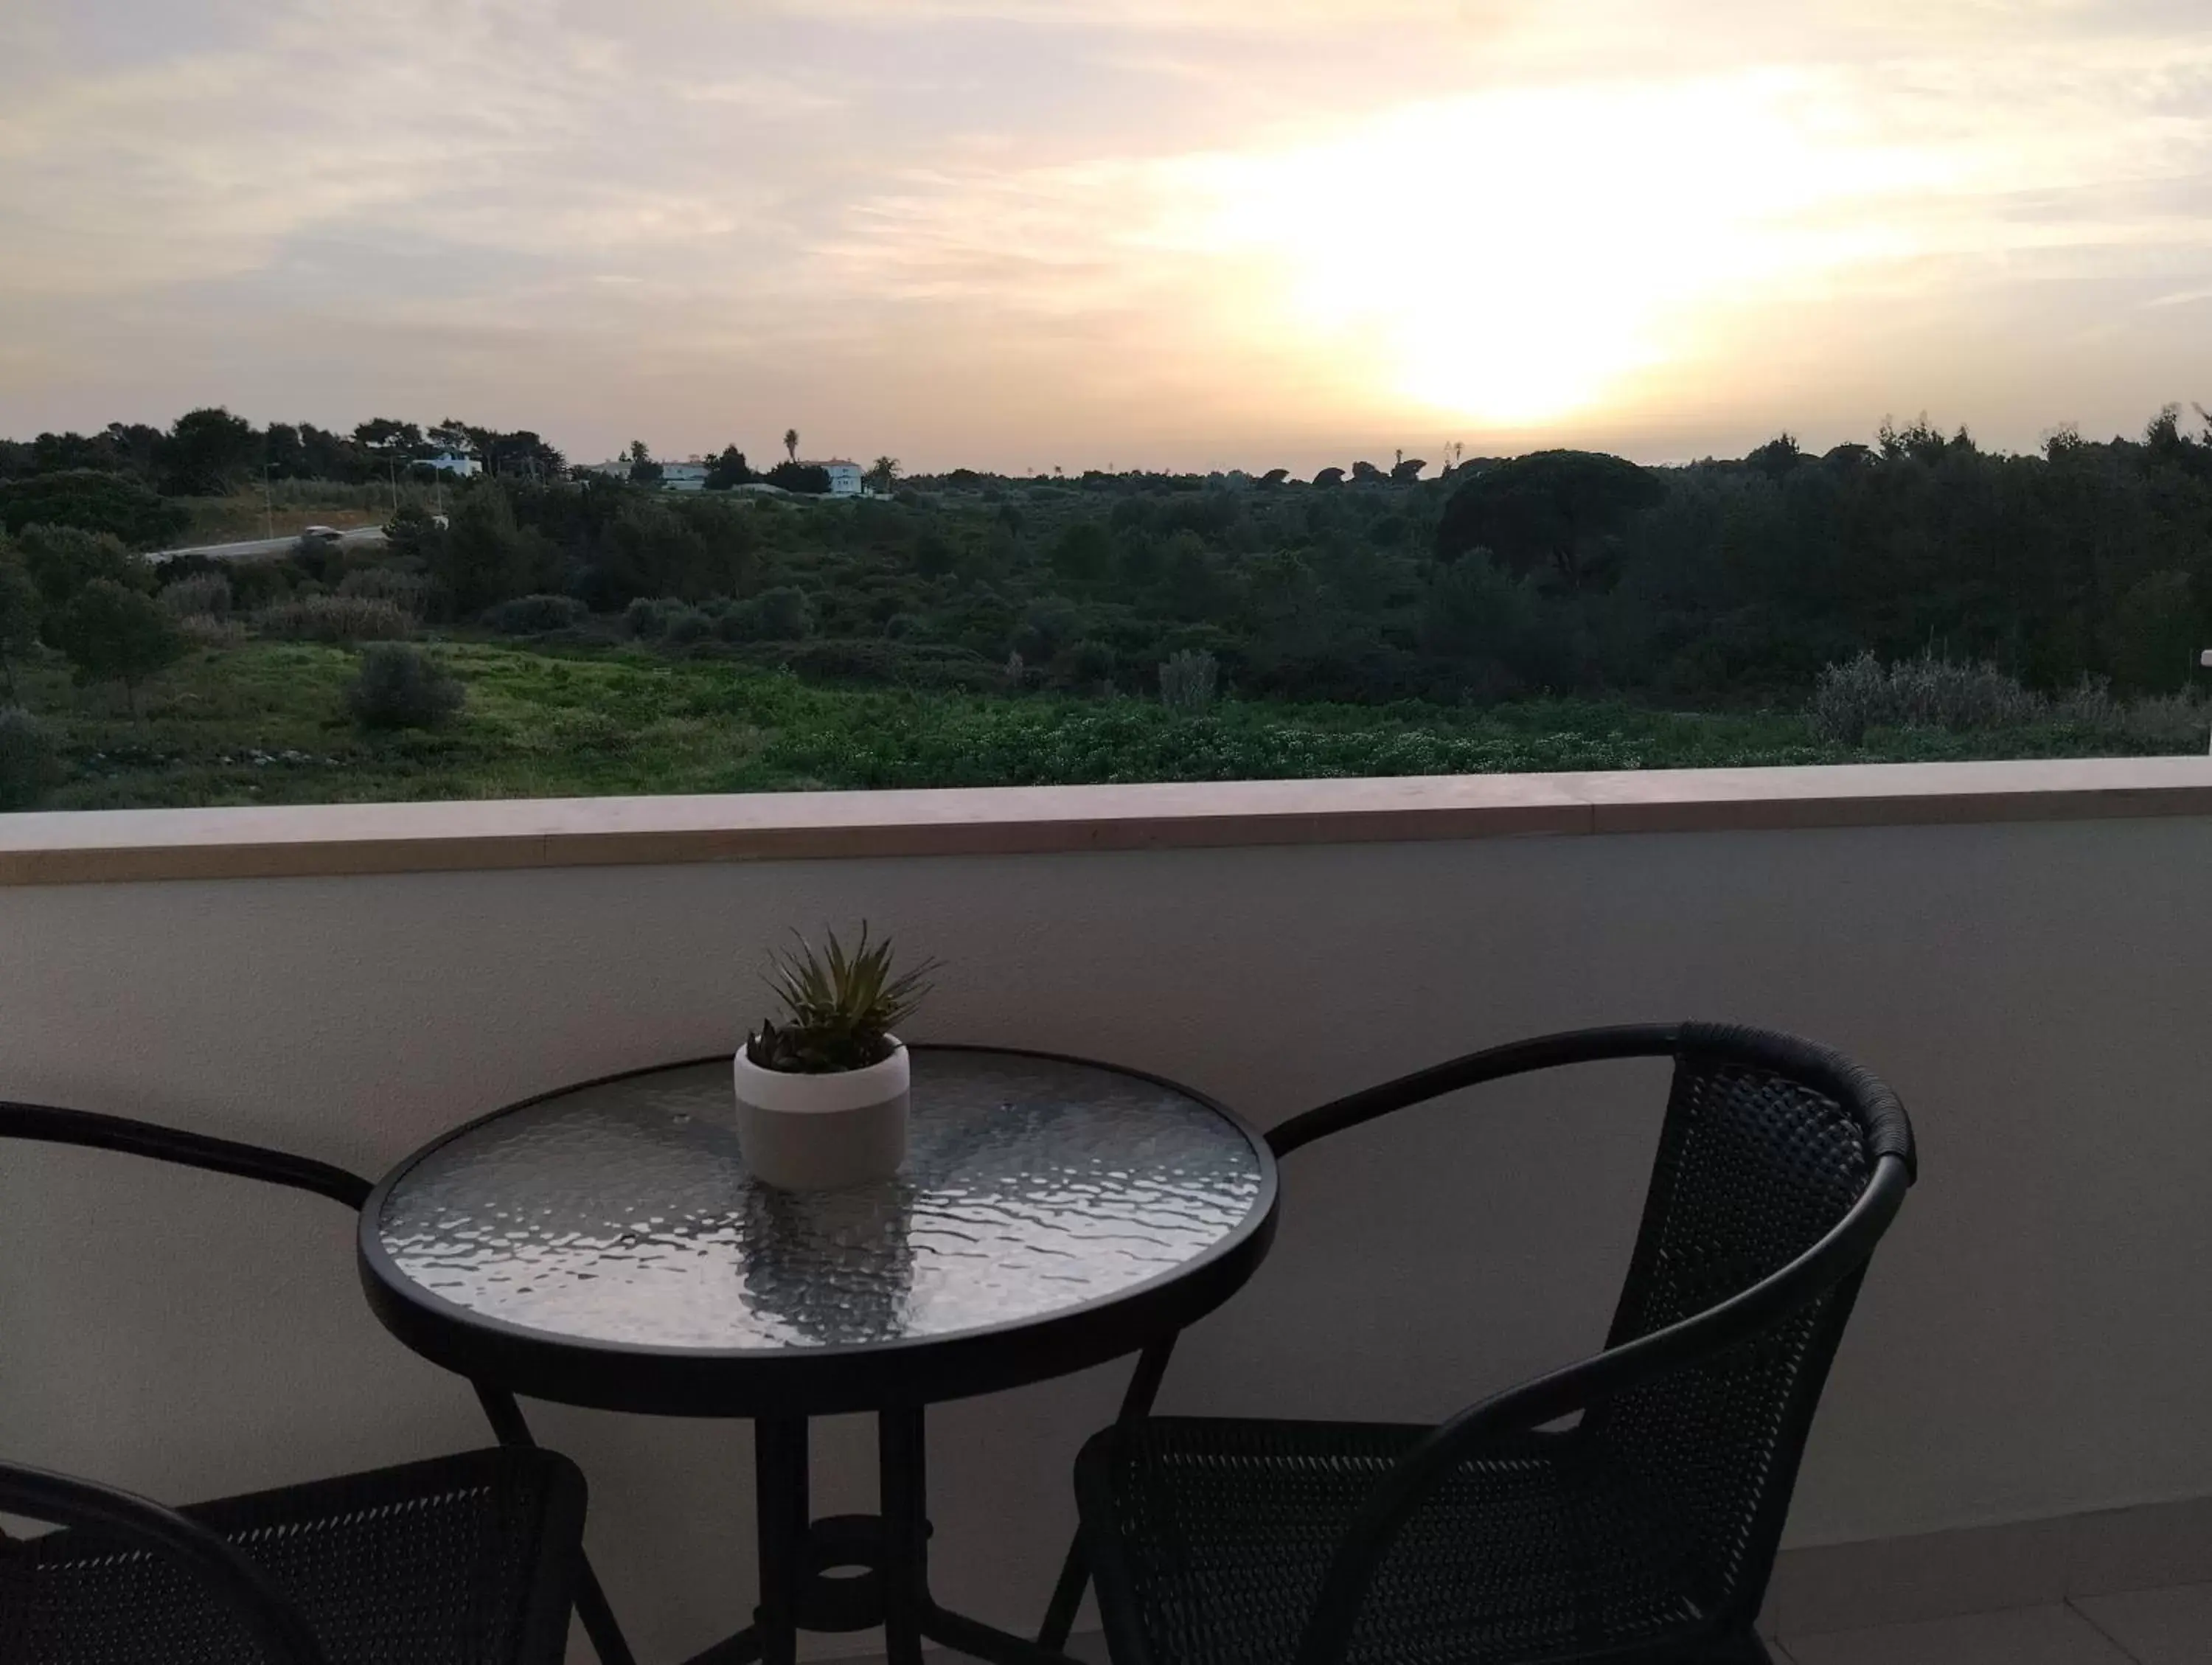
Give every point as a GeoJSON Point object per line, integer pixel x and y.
{"type": "Point", "coordinates": [1768, 1143]}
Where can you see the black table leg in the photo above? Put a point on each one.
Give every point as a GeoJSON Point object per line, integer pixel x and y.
{"type": "Point", "coordinates": [901, 1465]}
{"type": "Point", "coordinates": [986, 1642]}
{"type": "Point", "coordinates": [910, 1612]}
{"type": "Point", "coordinates": [849, 1571]}
{"type": "Point", "coordinates": [780, 1485]}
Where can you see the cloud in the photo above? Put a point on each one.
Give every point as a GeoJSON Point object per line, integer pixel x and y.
{"type": "Point", "coordinates": [969, 221]}
{"type": "Point", "coordinates": [469, 122]}
{"type": "Point", "coordinates": [1179, 16]}
{"type": "Point", "coordinates": [1519, 255]}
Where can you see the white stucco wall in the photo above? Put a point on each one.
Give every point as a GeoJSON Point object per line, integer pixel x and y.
{"type": "Point", "coordinates": [2034, 1339]}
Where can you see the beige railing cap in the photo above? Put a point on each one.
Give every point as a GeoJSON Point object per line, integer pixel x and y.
{"type": "Point", "coordinates": [139, 845]}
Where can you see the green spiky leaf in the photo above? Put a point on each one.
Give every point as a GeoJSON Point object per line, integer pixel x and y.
{"type": "Point", "coordinates": [840, 1006]}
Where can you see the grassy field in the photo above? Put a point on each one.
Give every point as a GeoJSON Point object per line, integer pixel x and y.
{"type": "Point", "coordinates": [262, 722]}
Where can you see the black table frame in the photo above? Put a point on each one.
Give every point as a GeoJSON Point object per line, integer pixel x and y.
{"type": "Point", "coordinates": [844, 1572]}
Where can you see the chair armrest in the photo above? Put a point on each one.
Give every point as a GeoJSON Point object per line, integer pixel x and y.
{"type": "Point", "coordinates": [1842, 1251]}
{"type": "Point", "coordinates": [277, 1630]}
{"type": "Point", "coordinates": [1520, 1057]}
{"type": "Point", "coordinates": [52, 1126]}
{"type": "Point", "coordinates": [1542, 1052]}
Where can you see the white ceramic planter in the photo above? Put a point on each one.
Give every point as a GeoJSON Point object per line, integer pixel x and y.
{"type": "Point", "coordinates": [821, 1132]}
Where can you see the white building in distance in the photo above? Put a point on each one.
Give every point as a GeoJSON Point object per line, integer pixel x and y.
{"type": "Point", "coordinates": [458, 464]}
{"type": "Point", "coordinates": [684, 476]}
{"type": "Point", "coordinates": [845, 479]}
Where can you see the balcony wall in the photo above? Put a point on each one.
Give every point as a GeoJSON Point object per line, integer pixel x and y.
{"type": "Point", "coordinates": [2026, 952]}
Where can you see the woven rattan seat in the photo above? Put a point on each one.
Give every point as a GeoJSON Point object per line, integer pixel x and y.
{"type": "Point", "coordinates": [462, 1560]}
{"type": "Point", "coordinates": [1232, 1524]}
{"type": "Point", "coordinates": [1626, 1508]}
{"type": "Point", "coordinates": [474, 1559]}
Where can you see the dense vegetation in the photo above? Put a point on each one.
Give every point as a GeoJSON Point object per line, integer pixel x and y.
{"type": "Point", "coordinates": [265, 721]}
{"type": "Point", "coordinates": [1920, 596]}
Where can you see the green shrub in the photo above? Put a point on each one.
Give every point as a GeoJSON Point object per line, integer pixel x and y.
{"type": "Point", "coordinates": [203, 595]}
{"type": "Point", "coordinates": [534, 615]}
{"type": "Point", "coordinates": [258, 584]}
{"type": "Point", "coordinates": [19, 618]}
{"type": "Point", "coordinates": [413, 534]}
{"type": "Point", "coordinates": [315, 553]}
{"type": "Point", "coordinates": [648, 617]}
{"type": "Point", "coordinates": [334, 619]}
{"type": "Point", "coordinates": [27, 761]}
{"type": "Point", "coordinates": [192, 564]}
{"type": "Point", "coordinates": [63, 560]}
{"type": "Point", "coordinates": [811, 479]}
{"type": "Point", "coordinates": [400, 686]}
{"type": "Point", "coordinates": [114, 634]}
{"type": "Point", "coordinates": [781, 614]}
{"type": "Point", "coordinates": [1085, 663]}
{"type": "Point", "coordinates": [90, 500]}
{"type": "Point", "coordinates": [2156, 630]}
{"type": "Point", "coordinates": [866, 659]}
{"type": "Point", "coordinates": [669, 620]}
{"type": "Point", "coordinates": [484, 556]}
{"type": "Point", "coordinates": [685, 626]}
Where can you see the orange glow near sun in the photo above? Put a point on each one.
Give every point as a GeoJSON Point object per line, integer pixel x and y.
{"type": "Point", "coordinates": [1513, 258]}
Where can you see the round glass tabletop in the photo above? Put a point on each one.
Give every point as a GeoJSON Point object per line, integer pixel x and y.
{"type": "Point", "coordinates": [617, 1220]}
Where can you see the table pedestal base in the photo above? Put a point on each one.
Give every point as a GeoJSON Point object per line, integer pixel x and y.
{"type": "Point", "coordinates": [846, 1572]}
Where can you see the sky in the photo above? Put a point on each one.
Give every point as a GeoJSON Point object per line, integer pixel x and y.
{"type": "Point", "coordinates": [1022, 235]}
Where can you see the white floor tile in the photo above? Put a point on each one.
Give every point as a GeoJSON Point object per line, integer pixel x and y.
{"type": "Point", "coordinates": [2021, 1636]}
{"type": "Point", "coordinates": [2158, 1626]}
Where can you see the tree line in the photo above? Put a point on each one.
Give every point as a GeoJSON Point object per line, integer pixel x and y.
{"type": "Point", "coordinates": [1718, 581]}
{"type": "Point", "coordinates": [209, 452]}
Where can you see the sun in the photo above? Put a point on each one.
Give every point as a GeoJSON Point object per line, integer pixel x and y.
{"type": "Point", "coordinates": [1515, 258]}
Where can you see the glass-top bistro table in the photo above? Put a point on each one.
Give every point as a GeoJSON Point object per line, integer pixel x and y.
{"type": "Point", "coordinates": [604, 1246]}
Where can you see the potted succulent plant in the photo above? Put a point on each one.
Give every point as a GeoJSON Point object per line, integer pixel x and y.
{"type": "Point", "coordinates": [823, 1094]}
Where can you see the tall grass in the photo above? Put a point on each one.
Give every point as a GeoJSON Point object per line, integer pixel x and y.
{"type": "Point", "coordinates": [334, 619]}
{"type": "Point", "coordinates": [1855, 696]}
{"type": "Point", "coordinates": [1187, 680]}
{"type": "Point", "coordinates": [408, 591]}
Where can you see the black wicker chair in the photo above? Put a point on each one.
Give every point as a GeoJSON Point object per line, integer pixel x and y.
{"type": "Point", "coordinates": [464, 1560]}
{"type": "Point", "coordinates": [1646, 1530]}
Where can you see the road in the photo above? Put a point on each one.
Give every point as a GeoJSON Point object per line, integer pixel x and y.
{"type": "Point", "coordinates": [264, 549]}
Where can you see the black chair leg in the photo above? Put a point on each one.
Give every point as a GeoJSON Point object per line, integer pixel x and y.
{"type": "Point", "coordinates": [1075, 1571]}
{"type": "Point", "coordinates": [1066, 1598]}
{"type": "Point", "coordinates": [591, 1602]}
{"type": "Point", "coordinates": [608, 1641]}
